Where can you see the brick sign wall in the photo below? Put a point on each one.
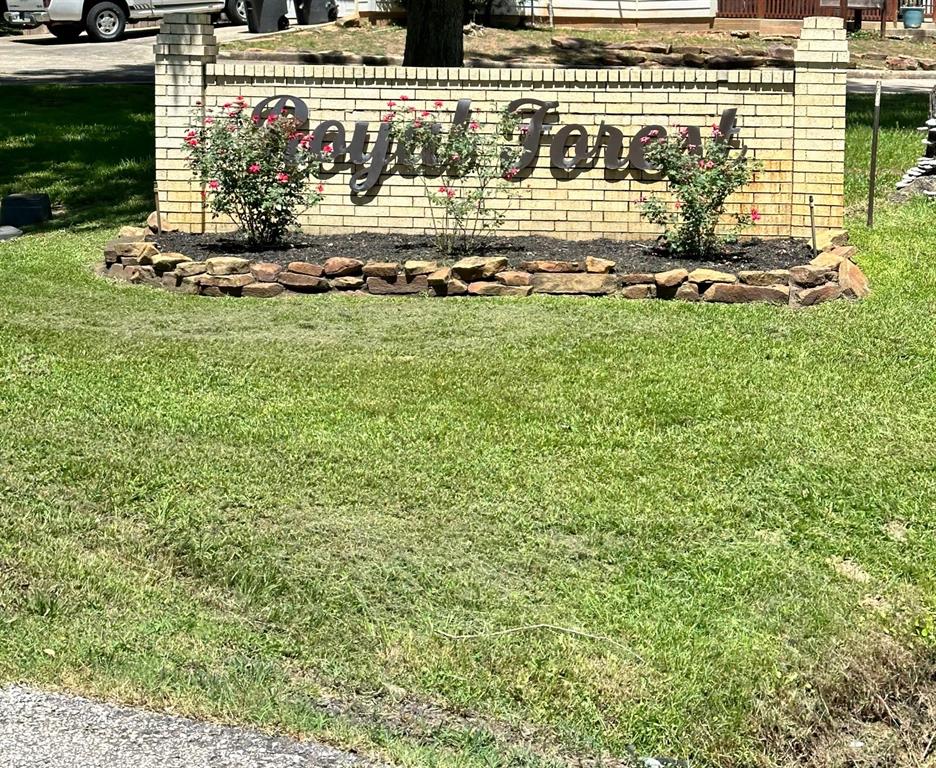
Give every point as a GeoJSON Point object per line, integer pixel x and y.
{"type": "Point", "coordinates": [791, 120]}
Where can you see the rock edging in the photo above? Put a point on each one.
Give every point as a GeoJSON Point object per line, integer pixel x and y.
{"type": "Point", "coordinates": [133, 257]}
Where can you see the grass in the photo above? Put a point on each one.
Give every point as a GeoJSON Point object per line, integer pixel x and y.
{"type": "Point", "coordinates": [275, 512]}
{"type": "Point", "coordinates": [534, 44]}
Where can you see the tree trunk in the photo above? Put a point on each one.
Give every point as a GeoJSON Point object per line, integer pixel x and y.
{"type": "Point", "coordinates": [434, 33]}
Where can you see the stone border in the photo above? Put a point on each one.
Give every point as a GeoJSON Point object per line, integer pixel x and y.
{"type": "Point", "coordinates": [133, 257]}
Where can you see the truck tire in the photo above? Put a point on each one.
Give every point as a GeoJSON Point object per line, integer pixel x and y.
{"type": "Point", "coordinates": [236, 11]}
{"type": "Point", "coordinates": [66, 32]}
{"type": "Point", "coordinates": [106, 22]}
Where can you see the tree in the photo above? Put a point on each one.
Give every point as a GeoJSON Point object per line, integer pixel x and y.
{"type": "Point", "coordinates": [434, 33]}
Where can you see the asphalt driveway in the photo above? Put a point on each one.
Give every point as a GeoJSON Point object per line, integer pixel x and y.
{"type": "Point", "coordinates": [36, 58]}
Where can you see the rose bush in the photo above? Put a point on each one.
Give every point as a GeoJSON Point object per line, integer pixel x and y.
{"type": "Point", "coordinates": [700, 177]}
{"type": "Point", "coordinates": [258, 172]}
{"type": "Point", "coordinates": [462, 170]}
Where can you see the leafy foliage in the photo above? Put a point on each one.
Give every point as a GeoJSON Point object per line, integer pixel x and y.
{"type": "Point", "coordinates": [463, 169]}
{"type": "Point", "coordinates": [701, 177]}
{"type": "Point", "coordinates": [255, 171]}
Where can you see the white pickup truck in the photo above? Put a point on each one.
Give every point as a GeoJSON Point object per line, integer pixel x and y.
{"type": "Point", "coordinates": [105, 20]}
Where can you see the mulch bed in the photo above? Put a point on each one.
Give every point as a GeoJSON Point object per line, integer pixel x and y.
{"type": "Point", "coordinates": [630, 256]}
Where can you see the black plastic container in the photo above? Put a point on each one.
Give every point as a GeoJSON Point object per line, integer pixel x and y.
{"type": "Point", "coordinates": [23, 210]}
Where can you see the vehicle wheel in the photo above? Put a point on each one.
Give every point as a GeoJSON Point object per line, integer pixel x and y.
{"type": "Point", "coordinates": [236, 11]}
{"type": "Point", "coordinates": [106, 22]}
{"type": "Point", "coordinates": [66, 32]}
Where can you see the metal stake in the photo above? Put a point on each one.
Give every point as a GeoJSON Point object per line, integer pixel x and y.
{"type": "Point", "coordinates": [812, 224]}
{"type": "Point", "coordinates": [874, 152]}
{"type": "Point", "coordinates": [158, 211]}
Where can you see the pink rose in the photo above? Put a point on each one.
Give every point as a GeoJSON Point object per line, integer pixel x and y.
{"type": "Point", "coordinates": [253, 168]}
{"type": "Point", "coordinates": [214, 184]}
{"type": "Point", "coordinates": [438, 103]}
{"type": "Point", "coordinates": [755, 214]}
{"type": "Point", "coordinates": [282, 178]}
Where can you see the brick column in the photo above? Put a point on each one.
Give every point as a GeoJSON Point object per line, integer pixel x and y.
{"type": "Point", "coordinates": [185, 45]}
{"type": "Point", "coordinates": [821, 59]}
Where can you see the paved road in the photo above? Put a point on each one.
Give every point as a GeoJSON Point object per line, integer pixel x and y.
{"type": "Point", "coordinates": [36, 58]}
{"type": "Point", "coordinates": [44, 730]}
{"type": "Point", "coordinates": [42, 57]}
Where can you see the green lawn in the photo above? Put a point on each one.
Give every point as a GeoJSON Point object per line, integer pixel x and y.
{"type": "Point", "coordinates": [275, 512]}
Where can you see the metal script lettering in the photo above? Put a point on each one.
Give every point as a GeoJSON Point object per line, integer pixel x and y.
{"type": "Point", "coordinates": [569, 149]}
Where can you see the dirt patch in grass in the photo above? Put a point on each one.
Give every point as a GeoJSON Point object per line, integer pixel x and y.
{"type": "Point", "coordinates": [877, 707]}
{"type": "Point", "coordinates": [630, 256]}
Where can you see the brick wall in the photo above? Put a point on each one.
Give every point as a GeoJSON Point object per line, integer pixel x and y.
{"type": "Point", "coordinates": [791, 120]}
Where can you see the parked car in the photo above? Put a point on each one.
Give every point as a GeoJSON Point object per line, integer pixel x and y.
{"type": "Point", "coordinates": [106, 20]}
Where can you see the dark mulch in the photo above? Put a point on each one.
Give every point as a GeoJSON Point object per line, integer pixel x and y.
{"type": "Point", "coordinates": [631, 256]}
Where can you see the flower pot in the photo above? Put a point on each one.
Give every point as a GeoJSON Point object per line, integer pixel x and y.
{"type": "Point", "coordinates": [912, 17]}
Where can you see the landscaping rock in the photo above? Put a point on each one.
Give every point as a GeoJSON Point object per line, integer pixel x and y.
{"type": "Point", "coordinates": [514, 277]}
{"type": "Point", "coordinates": [671, 278]}
{"type": "Point", "coordinates": [711, 276]}
{"type": "Point", "coordinates": [347, 283]}
{"type": "Point", "coordinates": [300, 281]}
{"type": "Point", "coordinates": [227, 265]}
{"type": "Point", "coordinates": [728, 293]}
{"type": "Point", "coordinates": [639, 291]}
{"type": "Point", "coordinates": [569, 43]}
{"type": "Point", "coordinates": [852, 280]}
{"type": "Point", "coordinates": [540, 265]}
{"type": "Point", "coordinates": [456, 287]}
{"type": "Point", "coordinates": [638, 278]}
{"type": "Point", "coordinates": [265, 271]}
{"type": "Point", "coordinates": [768, 277]}
{"type": "Point", "coordinates": [341, 266]}
{"type": "Point", "coordinates": [827, 260]}
{"type": "Point", "coordinates": [9, 233]}
{"type": "Point", "coordinates": [484, 288]}
{"type": "Point", "coordinates": [264, 290]}
{"type": "Point", "coordinates": [137, 249]}
{"type": "Point", "coordinates": [166, 262]}
{"type": "Point", "coordinates": [189, 285]}
{"type": "Point", "coordinates": [305, 268]}
{"type": "Point", "coordinates": [141, 275]}
{"type": "Point", "coordinates": [811, 296]}
{"type": "Point", "coordinates": [623, 58]}
{"type": "Point", "coordinates": [574, 282]}
{"type": "Point", "coordinates": [412, 268]}
{"type": "Point", "coordinates": [191, 268]}
{"type": "Point", "coordinates": [599, 266]}
{"type": "Point", "coordinates": [478, 267]}
{"type": "Point", "coordinates": [900, 63]}
{"type": "Point", "coordinates": [667, 59]}
{"type": "Point", "coordinates": [398, 285]}
{"type": "Point", "coordinates": [688, 292]}
{"type": "Point", "coordinates": [439, 277]}
{"type": "Point", "coordinates": [384, 269]}
{"type": "Point", "coordinates": [152, 223]}
{"type": "Point", "coordinates": [808, 276]}
{"type": "Point", "coordinates": [645, 46]}
{"type": "Point", "coordinates": [226, 281]}
{"type": "Point", "coordinates": [735, 62]}
{"type": "Point", "coordinates": [781, 52]}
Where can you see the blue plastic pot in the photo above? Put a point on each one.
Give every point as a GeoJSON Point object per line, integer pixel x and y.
{"type": "Point", "coordinates": [912, 17]}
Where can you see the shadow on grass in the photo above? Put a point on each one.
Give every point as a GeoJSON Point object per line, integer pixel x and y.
{"type": "Point", "coordinates": [90, 148]}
